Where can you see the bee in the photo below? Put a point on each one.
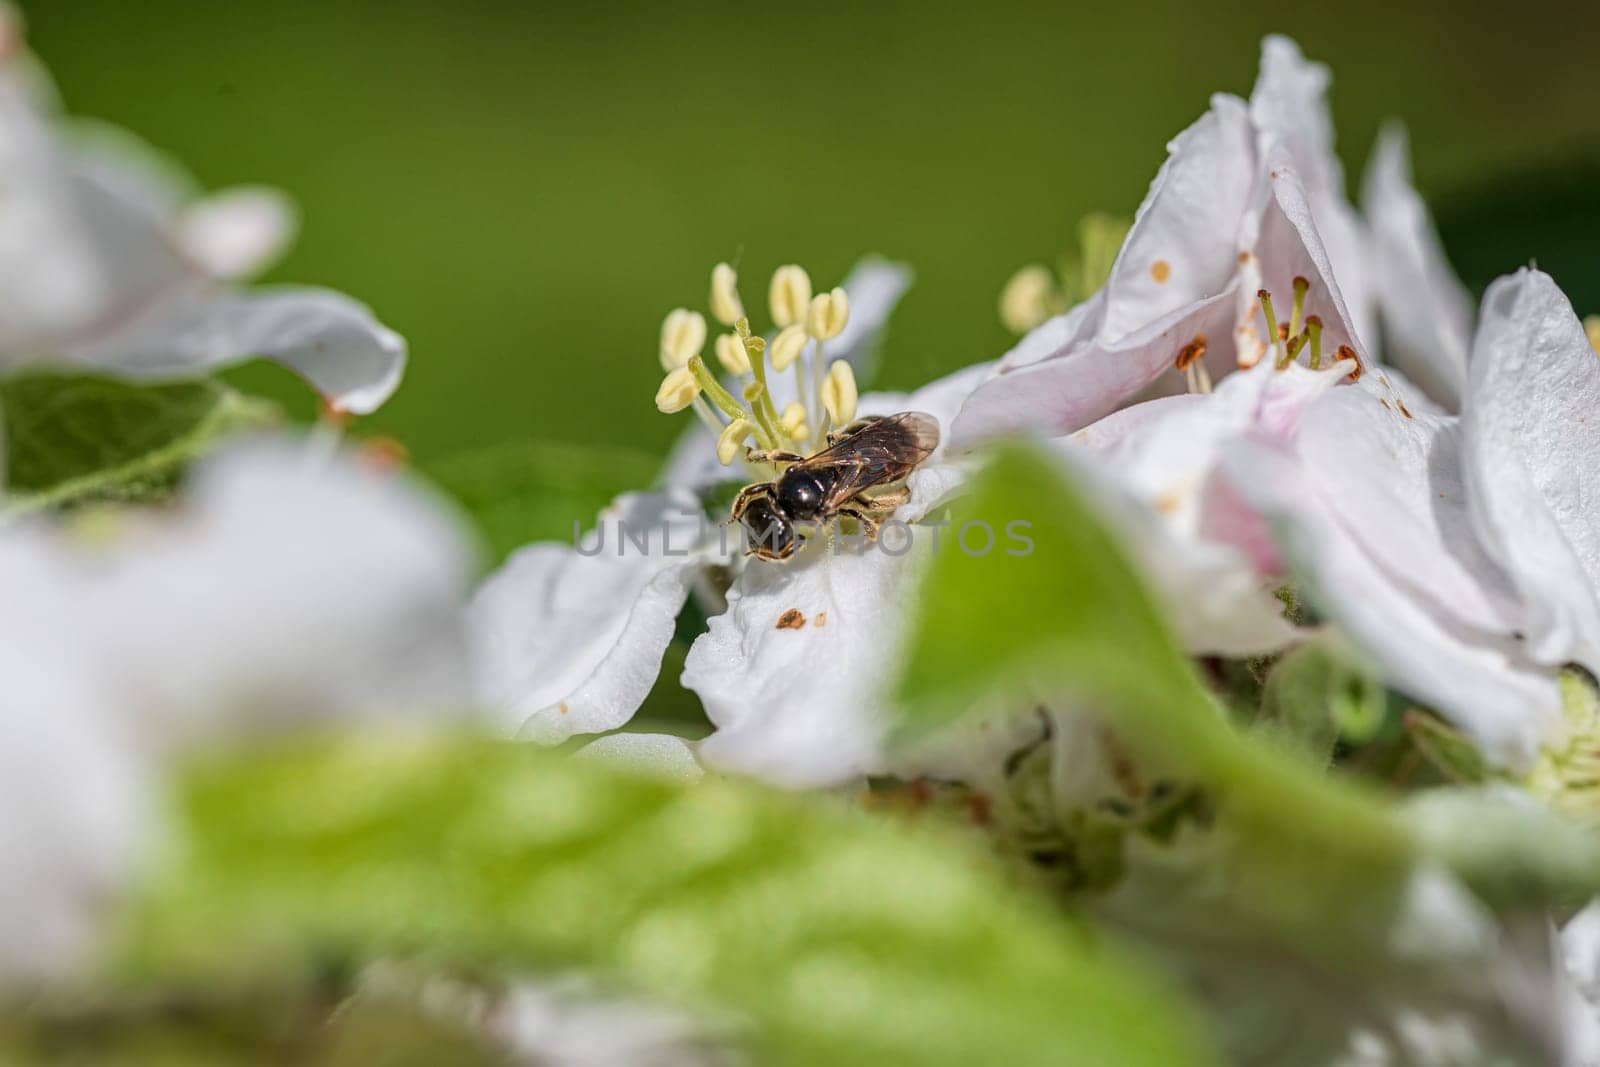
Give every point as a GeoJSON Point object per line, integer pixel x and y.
{"type": "Point", "coordinates": [870, 453]}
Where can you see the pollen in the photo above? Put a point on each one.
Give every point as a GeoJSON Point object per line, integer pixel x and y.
{"type": "Point", "coordinates": [793, 619]}
{"type": "Point", "coordinates": [1161, 270]}
{"type": "Point", "coordinates": [1189, 353]}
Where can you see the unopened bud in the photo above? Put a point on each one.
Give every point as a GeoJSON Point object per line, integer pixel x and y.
{"type": "Point", "coordinates": [828, 315]}
{"type": "Point", "coordinates": [731, 354]}
{"type": "Point", "coordinates": [1025, 301]}
{"type": "Point", "coordinates": [839, 393]}
{"type": "Point", "coordinates": [725, 303]}
{"type": "Point", "coordinates": [732, 439]}
{"type": "Point", "coordinates": [789, 295]}
{"type": "Point", "coordinates": [786, 347]}
{"type": "Point", "coordinates": [678, 390]}
{"type": "Point", "coordinates": [683, 334]}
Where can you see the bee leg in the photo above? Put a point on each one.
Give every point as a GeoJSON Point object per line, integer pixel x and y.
{"type": "Point", "coordinates": [889, 500]}
{"type": "Point", "coordinates": [747, 494]}
{"type": "Point", "coordinates": [756, 455]}
{"type": "Point", "coordinates": [869, 524]}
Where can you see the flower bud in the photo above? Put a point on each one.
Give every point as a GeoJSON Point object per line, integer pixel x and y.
{"type": "Point", "coordinates": [828, 315]}
{"type": "Point", "coordinates": [839, 393]}
{"type": "Point", "coordinates": [683, 334]}
{"type": "Point", "coordinates": [1025, 301]}
{"type": "Point", "coordinates": [732, 439]}
{"type": "Point", "coordinates": [789, 295]}
{"type": "Point", "coordinates": [786, 347]}
{"type": "Point", "coordinates": [732, 355]}
{"type": "Point", "coordinates": [678, 390]}
{"type": "Point", "coordinates": [725, 303]}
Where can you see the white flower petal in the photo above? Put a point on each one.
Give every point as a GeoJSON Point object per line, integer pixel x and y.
{"type": "Point", "coordinates": [1531, 435]}
{"type": "Point", "coordinates": [1172, 283]}
{"type": "Point", "coordinates": [1182, 246]}
{"type": "Point", "coordinates": [1506, 704]}
{"type": "Point", "coordinates": [794, 672]}
{"type": "Point", "coordinates": [1427, 314]}
{"type": "Point", "coordinates": [662, 755]}
{"type": "Point", "coordinates": [284, 592]}
{"type": "Point", "coordinates": [75, 812]}
{"type": "Point", "coordinates": [1289, 108]}
{"type": "Point", "coordinates": [325, 337]}
{"type": "Point", "coordinates": [236, 233]}
{"type": "Point", "coordinates": [568, 643]}
{"type": "Point", "coordinates": [1065, 393]}
{"type": "Point", "coordinates": [1394, 478]}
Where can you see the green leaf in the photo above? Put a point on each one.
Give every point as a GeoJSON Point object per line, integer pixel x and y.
{"type": "Point", "coordinates": [1073, 617]}
{"type": "Point", "coordinates": [76, 439]}
{"type": "Point", "coordinates": [842, 938]}
{"type": "Point", "coordinates": [528, 491]}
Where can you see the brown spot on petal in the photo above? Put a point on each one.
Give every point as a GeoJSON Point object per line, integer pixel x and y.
{"type": "Point", "coordinates": [1385, 403]}
{"type": "Point", "coordinates": [791, 620]}
{"type": "Point", "coordinates": [562, 707]}
{"type": "Point", "coordinates": [1244, 257]}
{"type": "Point", "coordinates": [1161, 270]}
{"type": "Point", "coordinates": [821, 619]}
{"type": "Point", "coordinates": [1168, 503]}
{"type": "Point", "coordinates": [1403, 409]}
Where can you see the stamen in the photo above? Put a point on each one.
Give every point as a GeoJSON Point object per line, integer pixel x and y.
{"type": "Point", "coordinates": [1301, 285]}
{"type": "Point", "coordinates": [725, 303]}
{"type": "Point", "coordinates": [683, 334]}
{"type": "Point", "coordinates": [1346, 352]}
{"type": "Point", "coordinates": [732, 355]}
{"type": "Point", "coordinates": [1189, 353]}
{"type": "Point", "coordinates": [829, 312]}
{"type": "Point", "coordinates": [731, 441]}
{"type": "Point", "coordinates": [1026, 300]}
{"type": "Point", "coordinates": [787, 346]}
{"type": "Point", "coordinates": [713, 389]}
{"type": "Point", "coordinates": [1272, 326]}
{"type": "Point", "coordinates": [1314, 331]}
{"type": "Point", "coordinates": [793, 420]}
{"type": "Point", "coordinates": [678, 390]}
{"type": "Point", "coordinates": [789, 295]}
{"type": "Point", "coordinates": [839, 393]}
{"type": "Point", "coordinates": [766, 416]}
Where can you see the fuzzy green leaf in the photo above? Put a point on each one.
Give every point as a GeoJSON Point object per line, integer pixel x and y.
{"type": "Point", "coordinates": [840, 937]}
{"type": "Point", "coordinates": [76, 439]}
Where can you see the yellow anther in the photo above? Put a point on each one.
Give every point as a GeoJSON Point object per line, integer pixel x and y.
{"type": "Point", "coordinates": [1026, 300]}
{"type": "Point", "coordinates": [725, 303]}
{"type": "Point", "coordinates": [1591, 326]}
{"type": "Point", "coordinates": [828, 314]}
{"type": "Point", "coordinates": [678, 390]}
{"type": "Point", "coordinates": [789, 295]}
{"type": "Point", "coordinates": [732, 355]}
{"type": "Point", "coordinates": [793, 419]}
{"type": "Point", "coordinates": [839, 393]}
{"type": "Point", "coordinates": [683, 334]}
{"type": "Point", "coordinates": [732, 439]}
{"type": "Point", "coordinates": [786, 347]}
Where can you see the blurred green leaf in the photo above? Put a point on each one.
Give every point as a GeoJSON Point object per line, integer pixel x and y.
{"type": "Point", "coordinates": [526, 491]}
{"type": "Point", "coordinates": [1307, 908]}
{"type": "Point", "coordinates": [75, 439]}
{"type": "Point", "coordinates": [1073, 617]}
{"type": "Point", "coordinates": [845, 939]}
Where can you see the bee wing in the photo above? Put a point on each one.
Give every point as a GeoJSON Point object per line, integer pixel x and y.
{"type": "Point", "coordinates": [883, 450]}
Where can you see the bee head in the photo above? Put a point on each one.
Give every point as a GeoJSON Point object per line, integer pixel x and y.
{"type": "Point", "coordinates": [800, 493]}
{"type": "Point", "coordinates": [769, 533]}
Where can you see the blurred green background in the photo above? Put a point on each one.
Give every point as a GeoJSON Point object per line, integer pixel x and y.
{"type": "Point", "coordinates": [524, 190]}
